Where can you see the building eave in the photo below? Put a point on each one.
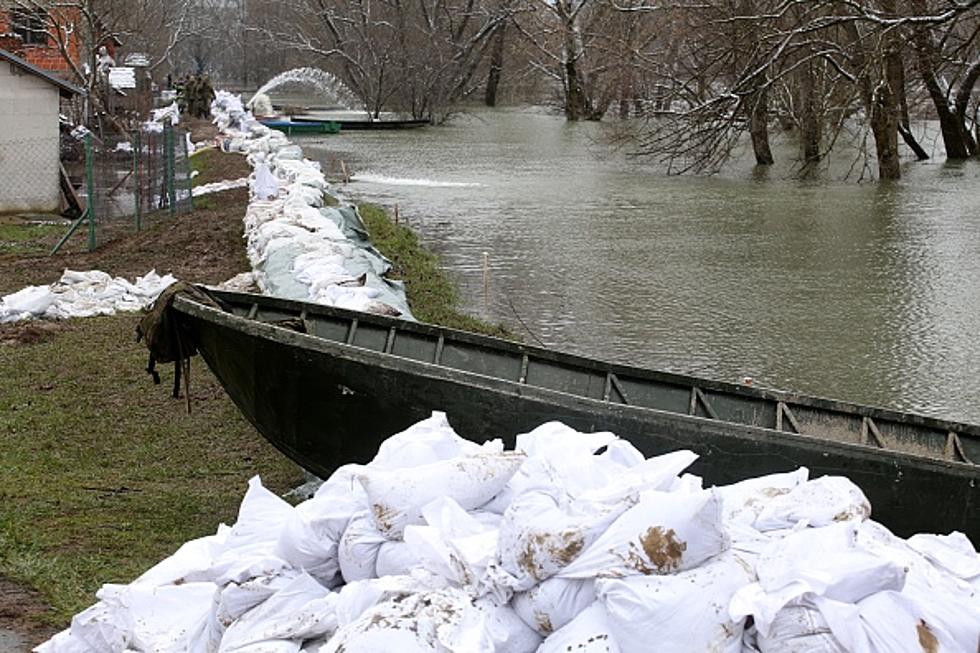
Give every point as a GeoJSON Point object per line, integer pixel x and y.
{"type": "Point", "coordinates": [66, 89]}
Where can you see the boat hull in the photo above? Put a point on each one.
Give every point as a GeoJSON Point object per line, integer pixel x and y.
{"type": "Point", "coordinates": [325, 404]}
{"type": "Point", "coordinates": [372, 125]}
{"type": "Point", "coordinates": [290, 127]}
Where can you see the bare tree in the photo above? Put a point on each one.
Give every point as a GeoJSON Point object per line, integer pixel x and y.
{"type": "Point", "coordinates": [420, 57]}
{"type": "Point", "coordinates": [824, 63]}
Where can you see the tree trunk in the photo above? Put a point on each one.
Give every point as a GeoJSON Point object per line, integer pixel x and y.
{"type": "Point", "coordinates": [885, 114]}
{"type": "Point", "coordinates": [759, 128]}
{"type": "Point", "coordinates": [577, 104]}
{"type": "Point", "coordinates": [811, 132]}
{"type": "Point", "coordinates": [496, 65]}
{"type": "Point", "coordinates": [895, 71]}
{"type": "Point", "coordinates": [880, 102]}
{"type": "Point", "coordinates": [952, 130]}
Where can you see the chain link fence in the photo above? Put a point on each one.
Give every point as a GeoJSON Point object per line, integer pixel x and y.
{"type": "Point", "coordinates": [132, 181]}
{"type": "Point", "coordinates": [19, 162]}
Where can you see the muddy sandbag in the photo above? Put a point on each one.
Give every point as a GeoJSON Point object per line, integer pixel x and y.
{"type": "Point", "coordinates": [589, 632]}
{"type": "Point", "coordinates": [745, 500]}
{"type": "Point", "coordinates": [357, 552]}
{"type": "Point", "coordinates": [799, 627]}
{"type": "Point", "coordinates": [232, 601]}
{"type": "Point", "coordinates": [818, 502]}
{"type": "Point", "coordinates": [397, 496]}
{"type": "Point", "coordinates": [554, 602]}
{"type": "Point", "coordinates": [663, 534]}
{"type": "Point", "coordinates": [541, 534]}
{"type": "Point", "coordinates": [426, 622]}
{"type": "Point", "coordinates": [300, 610]}
{"type": "Point", "coordinates": [686, 611]}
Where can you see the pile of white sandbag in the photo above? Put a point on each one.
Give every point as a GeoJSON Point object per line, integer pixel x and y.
{"type": "Point", "coordinates": [83, 294]}
{"type": "Point", "coordinates": [298, 247]}
{"type": "Point", "coordinates": [573, 542]}
{"type": "Point", "coordinates": [220, 186]}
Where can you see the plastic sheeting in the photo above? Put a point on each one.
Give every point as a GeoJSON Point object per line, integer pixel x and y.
{"type": "Point", "coordinates": [581, 547]}
{"type": "Point", "coordinates": [299, 248]}
{"type": "Point", "coordinates": [83, 294]}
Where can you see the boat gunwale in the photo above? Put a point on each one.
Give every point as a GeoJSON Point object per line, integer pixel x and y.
{"type": "Point", "coordinates": [620, 369]}
{"type": "Point", "coordinates": [431, 370]}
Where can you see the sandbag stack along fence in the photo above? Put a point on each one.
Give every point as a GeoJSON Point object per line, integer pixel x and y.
{"type": "Point", "coordinates": [131, 181]}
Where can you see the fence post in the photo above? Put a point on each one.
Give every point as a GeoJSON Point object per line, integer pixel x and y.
{"type": "Point", "coordinates": [137, 178]}
{"type": "Point", "coordinates": [189, 181]}
{"type": "Point", "coordinates": [169, 173]}
{"type": "Point", "coordinates": [90, 189]}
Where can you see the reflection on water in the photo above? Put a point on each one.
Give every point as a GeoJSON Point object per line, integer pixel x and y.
{"type": "Point", "coordinates": [864, 292]}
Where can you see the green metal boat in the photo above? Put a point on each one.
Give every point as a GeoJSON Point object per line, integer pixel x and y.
{"type": "Point", "coordinates": [326, 386]}
{"type": "Point", "coordinates": [290, 127]}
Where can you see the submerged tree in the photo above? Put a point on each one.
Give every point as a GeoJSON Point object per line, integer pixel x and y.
{"type": "Point", "coordinates": [819, 65]}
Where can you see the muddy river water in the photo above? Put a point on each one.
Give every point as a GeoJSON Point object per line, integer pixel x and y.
{"type": "Point", "coordinates": [857, 291]}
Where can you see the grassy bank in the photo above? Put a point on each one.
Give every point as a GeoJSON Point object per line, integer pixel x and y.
{"type": "Point", "coordinates": [432, 295]}
{"type": "Point", "coordinates": [103, 473]}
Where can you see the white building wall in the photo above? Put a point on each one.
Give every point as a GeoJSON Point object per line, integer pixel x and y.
{"type": "Point", "coordinates": [29, 150]}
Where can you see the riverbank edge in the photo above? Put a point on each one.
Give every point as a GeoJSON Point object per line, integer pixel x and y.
{"type": "Point", "coordinates": [432, 294]}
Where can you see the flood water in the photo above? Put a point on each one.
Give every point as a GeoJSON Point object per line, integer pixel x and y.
{"type": "Point", "coordinates": [857, 291]}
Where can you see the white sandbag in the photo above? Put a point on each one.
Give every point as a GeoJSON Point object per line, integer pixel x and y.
{"type": "Point", "coordinates": [33, 300]}
{"type": "Point", "coordinates": [231, 602]}
{"type": "Point", "coordinates": [743, 501]}
{"type": "Point", "coordinates": [507, 632]}
{"type": "Point", "coordinates": [554, 439]}
{"type": "Point", "coordinates": [799, 627]}
{"type": "Point", "coordinates": [396, 558]}
{"type": "Point", "coordinates": [887, 622]}
{"type": "Point", "coordinates": [541, 534]}
{"type": "Point", "coordinates": [453, 543]}
{"type": "Point", "coordinates": [819, 561]}
{"type": "Point", "coordinates": [554, 602]}
{"type": "Point", "coordinates": [304, 546]}
{"type": "Point", "coordinates": [818, 502]}
{"type": "Point", "coordinates": [191, 561]}
{"type": "Point", "coordinates": [657, 473]}
{"type": "Point", "coordinates": [261, 516]}
{"type": "Point", "coordinates": [686, 611]}
{"type": "Point", "coordinates": [357, 551]}
{"type": "Point", "coordinates": [443, 620]}
{"type": "Point", "coordinates": [92, 630]}
{"type": "Point", "coordinates": [265, 186]}
{"type": "Point", "coordinates": [396, 497]}
{"type": "Point", "coordinates": [664, 533]}
{"type": "Point", "coordinates": [589, 632]}
{"type": "Point", "coordinates": [301, 610]}
{"type": "Point", "coordinates": [425, 442]}
{"type": "Point", "coordinates": [953, 553]}
{"type": "Point", "coordinates": [945, 600]}
{"type": "Point", "coordinates": [159, 619]}
{"type": "Point", "coordinates": [356, 598]}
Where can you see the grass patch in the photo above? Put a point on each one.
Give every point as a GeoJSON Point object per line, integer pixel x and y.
{"type": "Point", "coordinates": [103, 473]}
{"type": "Point", "coordinates": [18, 237]}
{"type": "Point", "coordinates": [431, 293]}
{"type": "Point", "coordinates": [213, 165]}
